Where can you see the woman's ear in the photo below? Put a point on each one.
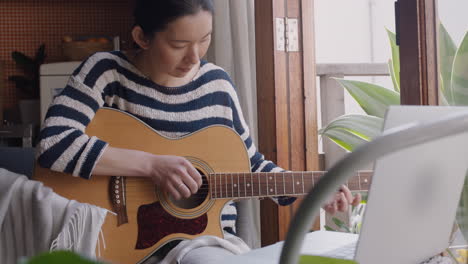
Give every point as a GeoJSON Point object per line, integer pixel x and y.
{"type": "Point", "coordinates": [140, 38]}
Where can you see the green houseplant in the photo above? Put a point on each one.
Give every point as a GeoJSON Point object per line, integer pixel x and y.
{"type": "Point", "coordinates": [59, 257]}
{"type": "Point", "coordinates": [349, 131]}
{"type": "Point", "coordinates": [28, 84]}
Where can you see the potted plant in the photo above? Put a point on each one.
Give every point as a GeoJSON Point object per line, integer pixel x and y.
{"type": "Point", "coordinates": [349, 131]}
{"type": "Point", "coordinates": [28, 84]}
{"type": "Point", "coordinates": [60, 256]}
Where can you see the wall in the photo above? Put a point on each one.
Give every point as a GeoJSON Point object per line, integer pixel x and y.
{"type": "Point", "coordinates": [354, 32]}
{"type": "Point", "coordinates": [25, 24]}
{"type": "Point", "coordinates": [452, 14]}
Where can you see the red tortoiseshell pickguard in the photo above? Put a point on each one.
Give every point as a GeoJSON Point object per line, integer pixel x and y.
{"type": "Point", "coordinates": [154, 223]}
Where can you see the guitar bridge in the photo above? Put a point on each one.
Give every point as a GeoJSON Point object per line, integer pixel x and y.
{"type": "Point", "coordinates": [117, 198]}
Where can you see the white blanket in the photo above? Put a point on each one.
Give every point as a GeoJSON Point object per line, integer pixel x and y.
{"type": "Point", "coordinates": [231, 243]}
{"type": "Point", "coordinates": [34, 219]}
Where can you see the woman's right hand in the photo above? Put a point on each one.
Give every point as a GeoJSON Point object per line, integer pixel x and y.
{"type": "Point", "coordinates": [175, 175]}
{"type": "Point", "coordinates": [172, 174]}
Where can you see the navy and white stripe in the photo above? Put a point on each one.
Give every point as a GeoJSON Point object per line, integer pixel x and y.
{"type": "Point", "coordinates": [110, 79]}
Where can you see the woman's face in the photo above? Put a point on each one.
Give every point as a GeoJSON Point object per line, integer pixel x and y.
{"type": "Point", "coordinates": [179, 48]}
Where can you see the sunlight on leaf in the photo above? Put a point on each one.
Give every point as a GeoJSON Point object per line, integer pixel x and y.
{"type": "Point", "coordinates": [395, 65]}
{"type": "Point", "coordinates": [459, 81]}
{"type": "Point", "coordinates": [59, 257]}
{"type": "Point", "coordinates": [447, 49]}
{"type": "Point", "coordinates": [350, 131]}
{"type": "Point", "coordinates": [306, 259]}
{"type": "Point", "coordinates": [345, 139]}
{"type": "Point", "coordinates": [462, 211]}
{"type": "Point", "coordinates": [373, 99]}
{"type": "Point", "coordinates": [365, 127]}
{"type": "Point", "coordinates": [392, 75]}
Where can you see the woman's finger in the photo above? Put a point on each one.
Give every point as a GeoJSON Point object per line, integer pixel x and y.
{"type": "Point", "coordinates": [342, 203]}
{"type": "Point", "coordinates": [173, 192]}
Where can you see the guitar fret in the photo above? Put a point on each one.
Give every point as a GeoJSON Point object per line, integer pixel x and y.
{"type": "Point", "coordinates": [251, 185]}
{"type": "Point", "coordinates": [359, 176]}
{"type": "Point", "coordinates": [220, 190]}
{"type": "Point", "coordinates": [289, 183]}
{"type": "Point", "coordinates": [267, 184]}
{"type": "Point", "coordinates": [232, 186]}
{"type": "Point", "coordinates": [284, 184]}
{"type": "Point", "coordinates": [303, 191]}
{"type": "Point", "coordinates": [308, 181]}
{"type": "Point", "coordinates": [259, 176]}
{"type": "Point", "coordinates": [317, 176]}
{"type": "Point", "coordinates": [259, 185]}
{"type": "Point", "coordinates": [215, 186]}
{"type": "Point", "coordinates": [354, 183]}
{"type": "Point", "coordinates": [243, 184]}
{"type": "Point", "coordinates": [313, 178]}
{"type": "Point", "coordinates": [269, 190]}
{"type": "Point", "coordinates": [238, 186]}
{"type": "Point", "coordinates": [276, 189]}
{"type": "Point", "coordinates": [367, 180]}
{"type": "Point", "coordinates": [293, 183]}
{"type": "Point", "coordinates": [220, 186]}
{"type": "Point", "coordinates": [213, 180]}
{"type": "Point", "coordinates": [225, 186]}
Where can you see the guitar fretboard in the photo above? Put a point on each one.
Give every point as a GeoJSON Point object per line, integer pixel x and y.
{"type": "Point", "coordinates": [265, 184]}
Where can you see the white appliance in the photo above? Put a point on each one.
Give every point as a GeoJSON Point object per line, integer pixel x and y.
{"type": "Point", "coordinates": [53, 78]}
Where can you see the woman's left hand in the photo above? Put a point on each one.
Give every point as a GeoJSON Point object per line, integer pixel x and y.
{"type": "Point", "coordinates": [342, 200]}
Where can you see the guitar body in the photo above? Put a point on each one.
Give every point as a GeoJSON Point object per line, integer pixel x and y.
{"type": "Point", "coordinates": [146, 218]}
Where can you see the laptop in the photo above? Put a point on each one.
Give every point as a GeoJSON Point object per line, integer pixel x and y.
{"type": "Point", "coordinates": [414, 198]}
{"type": "Point", "coordinates": [412, 201]}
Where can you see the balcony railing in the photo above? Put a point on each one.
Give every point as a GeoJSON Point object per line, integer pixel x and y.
{"type": "Point", "coordinates": [332, 96]}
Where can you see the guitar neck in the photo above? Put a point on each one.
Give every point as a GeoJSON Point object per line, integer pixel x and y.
{"type": "Point", "coordinates": [269, 184]}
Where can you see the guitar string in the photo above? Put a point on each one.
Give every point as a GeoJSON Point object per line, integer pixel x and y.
{"type": "Point", "coordinates": [231, 186]}
{"type": "Point", "coordinates": [231, 189]}
{"type": "Point", "coordinates": [236, 185]}
{"type": "Point", "coordinates": [201, 193]}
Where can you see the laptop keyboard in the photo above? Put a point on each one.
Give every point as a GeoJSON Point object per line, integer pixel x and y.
{"type": "Point", "coordinates": [345, 252]}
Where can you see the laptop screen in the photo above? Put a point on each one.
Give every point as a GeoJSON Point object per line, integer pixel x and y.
{"type": "Point", "coordinates": [414, 194]}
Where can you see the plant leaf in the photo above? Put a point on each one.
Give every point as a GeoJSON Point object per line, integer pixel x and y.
{"type": "Point", "coordinates": [462, 212]}
{"type": "Point", "coordinates": [307, 259]}
{"type": "Point", "coordinates": [23, 61]}
{"type": "Point", "coordinates": [21, 82]}
{"type": "Point", "coordinates": [442, 98]}
{"type": "Point", "coordinates": [344, 139]}
{"type": "Point", "coordinates": [396, 87]}
{"type": "Point", "coordinates": [350, 131]}
{"type": "Point", "coordinates": [40, 55]}
{"type": "Point", "coordinates": [58, 257]}
{"type": "Point", "coordinates": [340, 224]}
{"type": "Point", "coordinates": [459, 80]}
{"type": "Point", "coordinates": [373, 99]}
{"type": "Point", "coordinates": [363, 126]}
{"type": "Point", "coordinates": [395, 68]}
{"type": "Point", "coordinates": [447, 50]}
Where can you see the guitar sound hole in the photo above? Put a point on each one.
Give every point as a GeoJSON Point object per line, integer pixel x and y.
{"type": "Point", "coordinates": [196, 199]}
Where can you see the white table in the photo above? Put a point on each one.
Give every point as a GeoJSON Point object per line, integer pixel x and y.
{"type": "Point", "coordinates": [313, 244]}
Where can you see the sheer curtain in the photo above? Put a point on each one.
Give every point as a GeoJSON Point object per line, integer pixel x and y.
{"type": "Point", "coordinates": [233, 48]}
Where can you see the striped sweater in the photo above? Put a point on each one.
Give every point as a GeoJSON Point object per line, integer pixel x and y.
{"type": "Point", "coordinates": [109, 79]}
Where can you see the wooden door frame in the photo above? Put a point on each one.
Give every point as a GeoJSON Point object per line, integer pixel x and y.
{"type": "Point", "coordinates": [286, 102]}
{"type": "Point", "coordinates": [416, 27]}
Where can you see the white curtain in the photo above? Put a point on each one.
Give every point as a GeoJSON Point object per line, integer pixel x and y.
{"type": "Point", "coordinates": [233, 48]}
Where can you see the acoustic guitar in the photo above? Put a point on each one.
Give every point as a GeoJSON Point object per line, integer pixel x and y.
{"type": "Point", "coordinates": [146, 218]}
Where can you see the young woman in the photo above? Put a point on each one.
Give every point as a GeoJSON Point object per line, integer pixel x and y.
{"type": "Point", "coordinates": [166, 84]}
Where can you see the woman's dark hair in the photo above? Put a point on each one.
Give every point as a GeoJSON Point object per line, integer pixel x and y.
{"type": "Point", "coordinates": [154, 15]}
